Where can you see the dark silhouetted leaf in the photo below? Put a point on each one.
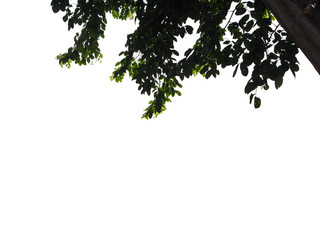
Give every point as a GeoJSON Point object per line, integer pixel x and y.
{"type": "Point", "coordinates": [235, 71]}
{"type": "Point", "coordinates": [257, 102]}
{"type": "Point", "coordinates": [189, 29]}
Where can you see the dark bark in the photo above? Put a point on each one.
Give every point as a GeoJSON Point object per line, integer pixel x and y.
{"type": "Point", "coordinates": [302, 28]}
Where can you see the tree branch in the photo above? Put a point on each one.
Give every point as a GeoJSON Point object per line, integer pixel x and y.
{"type": "Point", "coordinates": [301, 28]}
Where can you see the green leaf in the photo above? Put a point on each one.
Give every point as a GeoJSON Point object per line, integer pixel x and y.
{"type": "Point", "coordinates": [278, 83]}
{"type": "Point", "coordinates": [294, 67]}
{"type": "Point", "coordinates": [272, 56]}
{"type": "Point", "coordinates": [243, 20]}
{"type": "Point", "coordinates": [189, 29]}
{"type": "Point", "coordinates": [175, 52]}
{"type": "Point", "coordinates": [257, 102]}
{"type": "Point", "coordinates": [250, 87]}
{"type": "Point", "coordinates": [55, 8]}
{"type": "Point", "coordinates": [244, 69]}
{"type": "Point", "coordinates": [204, 69]}
{"type": "Point", "coordinates": [247, 59]}
{"type": "Point", "coordinates": [249, 26]}
{"type": "Point", "coordinates": [208, 74]}
{"type": "Point", "coordinates": [187, 53]}
{"type": "Point", "coordinates": [250, 4]}
{"type": "Point", "coordinates": [65, 18]}
{"type": "Point", "coordinates": [251, 97]}
{"type": "Point", "coordinates": [235, 70]}
{"type": "Point", "coordinates": [178, 92]}
{"type": "Point", "coordinates": [240, 11]}
{"type": "Point", "coordinates": [182, 33]}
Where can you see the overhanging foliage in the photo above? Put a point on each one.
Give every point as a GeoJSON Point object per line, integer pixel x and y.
{"type": "Point", "coordinates": [239, 34]}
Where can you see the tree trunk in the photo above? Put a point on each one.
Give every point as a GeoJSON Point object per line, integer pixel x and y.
{"type": "Point", "coordinates": [303, 29]}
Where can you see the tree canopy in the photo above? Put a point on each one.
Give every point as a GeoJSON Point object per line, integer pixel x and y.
{"type": "Point", "coordinates": [240, 34]}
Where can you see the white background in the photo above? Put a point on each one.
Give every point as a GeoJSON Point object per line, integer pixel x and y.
{"type": "Point", "coordinates": [77, 162]}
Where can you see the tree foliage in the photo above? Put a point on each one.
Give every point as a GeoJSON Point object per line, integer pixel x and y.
{"type": "Point", "coordinates": [243, 35]}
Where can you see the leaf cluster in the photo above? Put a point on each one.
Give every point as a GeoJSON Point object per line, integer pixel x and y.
{"type": "Point", "coordinates": [232, 33]}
